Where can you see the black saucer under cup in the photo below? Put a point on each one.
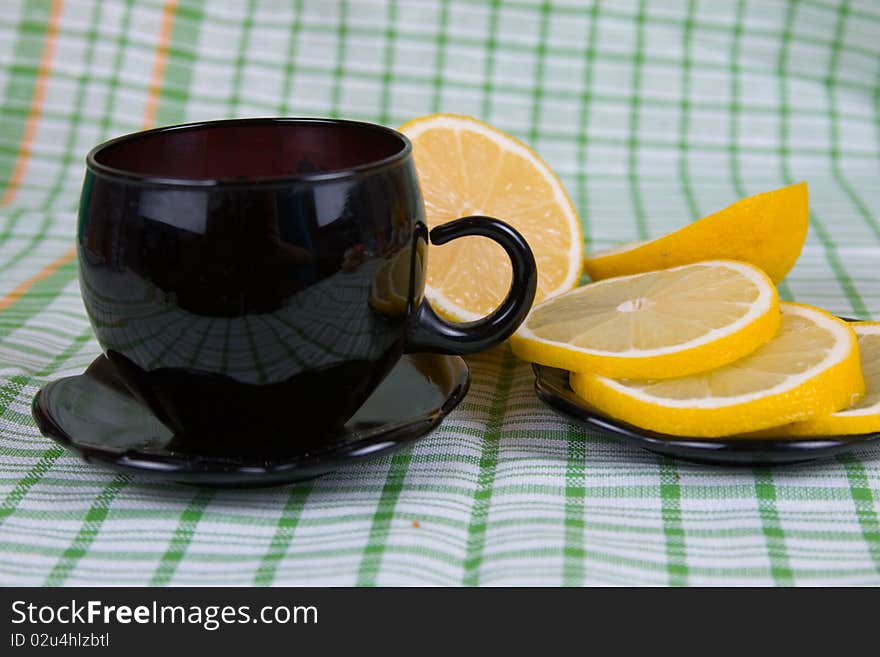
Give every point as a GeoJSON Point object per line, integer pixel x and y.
{"type": "Point", "coordinates": [95, 415]}
{"type": "Point", "coordinates": [227, 269]}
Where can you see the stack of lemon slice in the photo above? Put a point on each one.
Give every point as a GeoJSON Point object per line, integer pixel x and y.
{"type": "Point", "coordinates": [684, 334]}
{"type": "Point", "coordinates": [706, 349]}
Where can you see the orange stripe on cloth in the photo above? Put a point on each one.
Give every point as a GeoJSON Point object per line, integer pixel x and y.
{"type": "Point", "coordinates": [158, 76]}
{"type": "Point", "coordinates": [22, 288]}
{"type": "Point", "coordinates": [36, 109]}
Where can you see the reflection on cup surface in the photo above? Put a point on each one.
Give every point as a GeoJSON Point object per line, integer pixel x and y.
{"type": "Point", "coordinates": [222, 304]}
{"type": "Point", "coordinates": [254, 280]}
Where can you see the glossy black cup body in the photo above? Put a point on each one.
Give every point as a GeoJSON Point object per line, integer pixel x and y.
{"type": "Point", "coordinates": [231, 271]}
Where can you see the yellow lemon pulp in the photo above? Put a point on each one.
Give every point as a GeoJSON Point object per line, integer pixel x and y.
{"type": "Point", "coordinates": [861, 417]}
{"type": "Point", "coordinates": [467, 167]}
{"type": "Point", "coordinates": [654, 325]}
{"type": "Point", "coordinates": [810, 368]}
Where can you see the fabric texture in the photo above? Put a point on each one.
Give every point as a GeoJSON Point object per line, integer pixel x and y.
{"type": "Point", "coordinates": [654, 113]}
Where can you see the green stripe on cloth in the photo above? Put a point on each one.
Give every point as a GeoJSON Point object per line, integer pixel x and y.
{"type": "Point", "coordinates": [290, 59]}
{"type": "Point", "coordinates": [38, 297]}
{"type": "Point", "coordinates": [676, 548]}
{"type": "Point", "coordinates": [238, 63]}
{"type": "Point", "coordinates": [440, 57]}
{"type": "Point", "coordinates": [174, 94]}
{"type": "Point", "coordinates": [669, 489]}
{"type": "Point", "coordinates": [831, 249]}
{"type": "Point", "coordinates": [773, 531]}
{"type": "Point", "coordinates": [489, 67]}
{"type": "Point", "coordinates": [865, 501]}
{"type": "Point", "coordinates": [540, 55]}
{"type": "Point", "coordinates": [9, 393]}
{"type": "Point", "coordinates": [21, 80]}
{"type": "Point", "coordinates": [92, 522]}
{"type": "Point", "coordinates": [843, 13]}
{"type": "Point", "coordinates": [736, 100]}
{"type": "Point", "coordinates": [479, 520]}
{"type": "Point", "coordinates": [574, 550]}
{"type": "Point", "coordinates": [67, 156]}
{"type": "Point", "coordinates": [739, 187]}
{"type": "Point", "coordinates": [28, 480]}
{"type": "Point", "coordinates": [181, 539]}
{"type": "Point", "coordinates": [584, 115]}
{"type": "Point", "coordinates": [113, 83]}
{"type": "Point", "coordinates": [684, 123]}
{"type": "Point", "coordinates": [386, 98]}
{"type": "Point", "coordinates": [635, 107]}
{"type": "Point", "coordinates": [287, 523]}
{"type": "Point", "coordinates": [381, 526]}
{"type": "Point", "coordinates": [339, 66]}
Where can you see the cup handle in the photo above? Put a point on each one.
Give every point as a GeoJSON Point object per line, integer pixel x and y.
{"type": "Point", "coordinates": [432, 333]}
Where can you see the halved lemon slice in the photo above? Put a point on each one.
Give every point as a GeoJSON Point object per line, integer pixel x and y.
{"type": "Point", "coordinates": [861, 417]}
{"type": "Point", "coordinates": [467, 167]}
{"type": "Point", "coordinates": [767, 230]}
{"type": "Point", "coordinates": [811, 367]}
{"type": "Point", "coordinates": [654, 325]}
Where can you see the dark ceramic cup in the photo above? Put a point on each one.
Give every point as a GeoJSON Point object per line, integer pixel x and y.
{"type": "Point", "coordinates": [230, 271]}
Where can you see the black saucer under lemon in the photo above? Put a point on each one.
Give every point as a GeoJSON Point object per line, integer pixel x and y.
{"type": "Point", "coordinates": [552, 387]}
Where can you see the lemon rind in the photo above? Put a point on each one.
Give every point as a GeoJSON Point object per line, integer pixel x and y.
{"type": "Point", "coordinates": [843, 348]}
{"type": "Point", "coordinates": [720, 347]}
{"type": "Point", "coordinates": [843, 422]}
{"type": "Point", "coordinates": [616, 260]}
{"type": "Point", "coordinates": [833, 384]}
{"type": "Point", "coordinates": [762, 305]}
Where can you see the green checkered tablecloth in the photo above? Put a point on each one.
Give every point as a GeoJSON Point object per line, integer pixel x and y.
{"type": "Point", "coordinates": [653, 112]}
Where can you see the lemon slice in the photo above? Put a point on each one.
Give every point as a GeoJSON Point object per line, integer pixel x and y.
{"type": "Point", "coordinates": [811, 367]}
{"type": "Point", "coordinates": [467, 167]}
{"type": "Point", "coordinates": [767, 230]}
{"type": "Point", "coordinates": [655, 325]}
{"type": "Point", "coordinates": [861, 417]}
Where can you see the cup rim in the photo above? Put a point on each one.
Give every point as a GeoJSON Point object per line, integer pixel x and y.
{"type": "Point", "coordinates": [356, 171]}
